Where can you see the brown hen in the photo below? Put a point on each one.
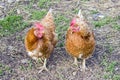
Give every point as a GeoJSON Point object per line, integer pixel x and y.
{"type": "Point", "coordinates": [41, 39]}
{"type": "Point", "coordinates": [80, 42]}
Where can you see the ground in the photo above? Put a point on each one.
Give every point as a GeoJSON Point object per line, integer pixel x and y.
{"type": "Point", "coordinates": [104, 64]}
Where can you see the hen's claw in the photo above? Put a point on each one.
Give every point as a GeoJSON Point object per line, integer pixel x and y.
{"type": "Point", "coordinates": [75, 64]}
{"type": "Point", "coordinates": [43, 68]}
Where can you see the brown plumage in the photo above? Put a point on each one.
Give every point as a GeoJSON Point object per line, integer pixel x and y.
{"type": "Point", "coordinates": [41, 39]}
{"type": "Point", "coordinates": [80, 42]}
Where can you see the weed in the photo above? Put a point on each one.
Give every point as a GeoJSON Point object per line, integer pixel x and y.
{"type": "Point", "coordinates": [75, 11]}
{"type": "Point", "coordinates": [4, 68]}
{"type": "Point", "coordinates": [61, 44]}
{"type": "Point", "coordinates": [116, 26]}
{"type": "Point", "coordinates": [1, 72]}
{"type": "Point", "coordinates": [110, 49]}
{"type": "Point", "coordinates": [111, 66]}
{"type": "Point", "coordinates": [11, 24]}
{"type": "Point", "coordinates": [60, 76]}
{"type": "Point", "coordinates": [106, 76]}
{"type": "Point", "coordinates": [0, 65]}
{"type": "Point", "coordinates": [94, 12]}
{"type": "Point", "coordinates": [19, 38]}
{"type": "Point", "coordinates": [62, 24]}
{"type": "Point", "coordinates": [107, 20]}
{"type": "Point", "coordinates": [22, 68]}
{"type": "Point", "coordinates": [116, 77]}
{"type": "Point", "coordinates": [27, 66]}
{"type": "Point", "coordinates": [104, 61]}
{"type": "Point", "coordinates": [30, 64]}
{"type": "Point", "coordinates": [12, 12]}
{"type": "Point", "coordinates": [103, 22]}
{"type": "Point", "coordinates": [85, 0]}
{"type": "Point", "coordinates": [57, 1]}
{"type": "Point", "coordinates": [44, 3]}
{"type": "Point", "coordinates": [37, 15]}
{"type": "Point", "coordinates": [30, 4]}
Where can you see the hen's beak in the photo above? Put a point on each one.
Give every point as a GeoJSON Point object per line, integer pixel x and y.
{"type": "Point", "coordinates": [43, 32]}
{"type": "Point", "coordinates": [78, 28]}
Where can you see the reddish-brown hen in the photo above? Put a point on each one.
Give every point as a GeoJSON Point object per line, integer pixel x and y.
{"type": "Point", "coordinates": [80, 42]}
{"type": "Point", "coordinates": [41, 39]}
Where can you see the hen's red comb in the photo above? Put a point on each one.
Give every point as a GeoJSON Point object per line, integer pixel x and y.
{"type": "Point", "coordinates": [73, 22]}
{"type": "Point", "coordinates": [39, 25]}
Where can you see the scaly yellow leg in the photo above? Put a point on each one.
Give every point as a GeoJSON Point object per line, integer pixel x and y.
{"type": "Point", "coordinates": [75, 61]}
{"type": "Point", "coordinates": [44, 66]}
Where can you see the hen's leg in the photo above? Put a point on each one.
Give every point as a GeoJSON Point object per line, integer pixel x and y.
{"type": "Point", "coordinates": [75, 61]}
{"type": "Point", "coordinates": [84, 66]}
{"type": "Point", "coordinates": [44, 66]}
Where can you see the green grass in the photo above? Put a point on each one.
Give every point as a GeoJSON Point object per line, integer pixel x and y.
{"type": "Point", "coordinates": [116, 26]}
{"type": "Point", "coordinates": [108, 20]}
{"type": "Point", "coordinates": [109, 76]}
{"type": "Point", "coordinates": [116, 77]}
{"type": "Point", "coordinates": [31, 4]}
{"type": "Point", "coordinates": [1, 72]}
{"type": "Point", "coordinates": [103, 22]}
{"type": "Point", "coordinates": [85, 0]}
{"type": "Point", "coordinates": [106, 76]}
{"type": "Point", "coordinates": [44, 3]}
{"type": "Point", "coordinates": [62, 24]}
{"type": "Point", "coordinates": [104, 61]}
{"type": "Point", "coordinates": [111, 66]}
{"type": "Point", "coordinates": [110, 49]}
{"type": "Point", "coordinates": [109, 69]}
{"type": "Point", "coordinates": [4, 68]}
{"type": "Point", "coordinates": [22, 68]}
{"type": "Point", "coordinates": [94, 12]}
{"type": "Point", "coordinates": [11, 24]}
{"type": "Point", "coordinates": [37, 15]}
{"type": "Point", "coordinates": [75, 11]}
{"type": "Point", "coordinates": [26, 67]}
{"type": "Point", "coordinates": [30, 65]}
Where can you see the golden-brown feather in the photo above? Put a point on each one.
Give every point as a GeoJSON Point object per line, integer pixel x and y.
{"type": "Point", "coordinates": [45, 44]}
{"type": "Point", "coordinates": [42, 47]}
{"type": "Point", "coordinates": [77, 44]}
{"type": "Point", "coordinates": [80, 42]}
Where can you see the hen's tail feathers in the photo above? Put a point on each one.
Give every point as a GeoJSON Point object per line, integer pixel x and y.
{"type": "Point", "coordinates": [80, 14]}
{"type": "Point", "coordinates": [50, 11]}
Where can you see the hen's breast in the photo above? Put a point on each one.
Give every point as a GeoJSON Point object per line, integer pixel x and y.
{"type": "Point", "coordinates": [36, 53]}
{"type": "Point", "coordinates": [76, 45]}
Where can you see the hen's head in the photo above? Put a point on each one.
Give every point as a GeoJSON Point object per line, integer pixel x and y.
{"type": "Point", "coordinates": [78, 23]}
{"type": "Point", "coordinates": [39, 30]}
{"type": "Point", "coordinates": [74, 26]}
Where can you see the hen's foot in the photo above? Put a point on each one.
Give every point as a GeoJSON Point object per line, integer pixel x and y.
{"type": "Point", "coordinates": [42, 69]}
